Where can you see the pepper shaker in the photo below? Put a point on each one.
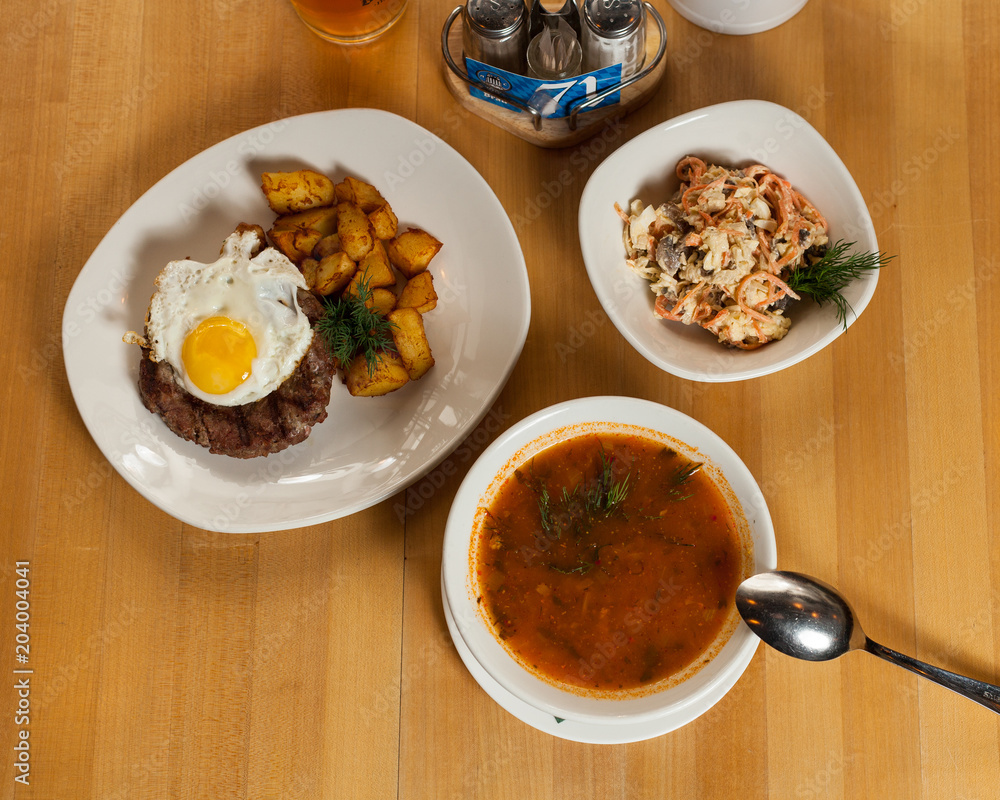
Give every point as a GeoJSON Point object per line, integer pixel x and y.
{"type": "Point", "coordinates": [495, 32]}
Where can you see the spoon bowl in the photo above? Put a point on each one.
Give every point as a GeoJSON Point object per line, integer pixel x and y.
{"type": "Point", "coordinates": [805, 618]}
{"type": "Point", "coordinates": [798, 615]}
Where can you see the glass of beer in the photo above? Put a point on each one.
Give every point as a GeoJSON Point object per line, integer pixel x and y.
{"type": "Point", "coordinates": [349, 21]}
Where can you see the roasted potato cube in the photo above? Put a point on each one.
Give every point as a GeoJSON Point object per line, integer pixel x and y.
{"type": "Point", "coordinates": [296, 235]}
{"type": "Point", "coordinates": [289, 192]}
{"type": "Point", "coordinates": [383, 221]}
{"type": "Point", "coordinates": [375, 267]}
{"type": "Point", "coordinates": [334, 272]}
{"type": "Point", "coordinates": [304, 241]}
{"type": "Point", "coordinates": [411, 341]}
{"type": "Point", "coordinates": [381, 301]}
{"type": "Point", "coordinates": [323, 220]}
{"type": "Point", "coordinates": [410, 252]}
{"type": "Point", "coordinates": [296, 244]}
{"type": "Point", "coordinates": [355, 231]}
{"type": "Point", "coordinates": [284, 241]}
{"type": "Point", "coordinates": [360, 193]}
{"type": "Point", "coordinates": [419, 293]}
{"type": "Point", "coordinates": [388, 375]}
{"type": "Point", "coordinates": [373, 271]}
{"type": "Point", "coordinates": [327, 246]}
{"type": "Point", "coordinates": [309, 266]}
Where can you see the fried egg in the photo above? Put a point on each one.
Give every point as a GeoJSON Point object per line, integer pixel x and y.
{"type": "Point", "coordinates": [232, 330]}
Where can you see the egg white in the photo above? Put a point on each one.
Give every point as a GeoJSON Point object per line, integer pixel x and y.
{"type": "Point", "coordinates": [259, 291]}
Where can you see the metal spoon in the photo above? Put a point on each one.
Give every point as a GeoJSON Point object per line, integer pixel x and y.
{"type": "Point", "coordinates": [803, 617]}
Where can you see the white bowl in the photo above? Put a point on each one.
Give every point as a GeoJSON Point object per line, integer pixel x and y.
{"type": "Point", "coordinates": [729, 16]}
{"type": "Point", "coordinates": [736, 133]}
{"type": "Point", "coordinates": [700, 689]}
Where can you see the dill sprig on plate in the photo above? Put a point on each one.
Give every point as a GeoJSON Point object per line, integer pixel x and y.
{"type": "Point", "coordinates": [349, 328]}
{"type": "Point", "coordinates": [824, 279]}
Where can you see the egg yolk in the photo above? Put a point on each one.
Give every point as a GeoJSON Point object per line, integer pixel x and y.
{"type": "Point", "coordinates": [218, 354]}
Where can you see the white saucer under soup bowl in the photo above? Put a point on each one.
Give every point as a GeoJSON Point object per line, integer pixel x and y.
{"type": "Point", "coordinates": [667, 704]}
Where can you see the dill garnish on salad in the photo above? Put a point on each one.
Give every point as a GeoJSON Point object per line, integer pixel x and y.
{"type": "Point", "coordinates": [734, 248]}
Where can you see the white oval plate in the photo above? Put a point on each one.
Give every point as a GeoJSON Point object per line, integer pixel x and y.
{"type": "Point", "coordinates": [495, 669]}
{"type": "Point", "coordinates": [736, 133]}
{"type": "Point", "coordinates": [368, 448]}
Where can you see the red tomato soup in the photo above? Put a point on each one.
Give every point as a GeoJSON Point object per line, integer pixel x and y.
{"type": "Point", "coordinates": [607, 562]}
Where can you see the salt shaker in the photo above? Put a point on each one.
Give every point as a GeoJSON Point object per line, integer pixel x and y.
{"type": "Point", "coordinates": [614, 32]}
{"type": "Point", "coordinates": [495, 32]}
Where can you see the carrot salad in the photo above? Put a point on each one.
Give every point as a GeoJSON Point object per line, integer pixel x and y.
{"type": "Point", "coordinates": [720, 252]}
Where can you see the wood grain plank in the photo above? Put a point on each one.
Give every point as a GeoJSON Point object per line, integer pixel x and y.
{"type": "Point", "coordinates": [942, 381]}
{"type": "Point", "coordinates": [982, 103]}
{"type": "Point", "coordinates": [873, 528]}
{"type": "Point", "coordinates": [360, 673]}
{"type": "Point", "coordinates": [213, 636]}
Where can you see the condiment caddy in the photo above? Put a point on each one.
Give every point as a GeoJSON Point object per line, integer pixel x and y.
{"type": "Point", "coordinates": [553, 78]}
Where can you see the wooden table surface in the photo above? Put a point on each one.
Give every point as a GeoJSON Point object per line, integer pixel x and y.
{"type": "Point", "coordinates": [315, 663]}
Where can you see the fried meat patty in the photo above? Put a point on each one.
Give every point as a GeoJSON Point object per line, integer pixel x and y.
{"type": "Point", "coordinates": [269, 425]}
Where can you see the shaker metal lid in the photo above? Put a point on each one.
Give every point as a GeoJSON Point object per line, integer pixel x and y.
{"type": "Point", "coordinates": [613, 20]}
{"type": "Point", "coordinates": [494, 19]}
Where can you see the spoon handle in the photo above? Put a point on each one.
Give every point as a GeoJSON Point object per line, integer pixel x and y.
{"type": "Point", "coordinates": [986, 694]}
